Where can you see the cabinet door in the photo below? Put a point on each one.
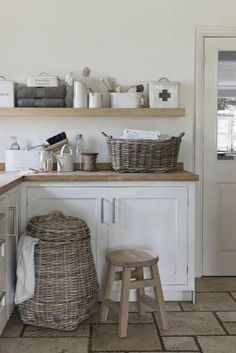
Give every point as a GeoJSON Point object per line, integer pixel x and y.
{"type": "Point", "coordinates": [3, 218]}
{"type": "Point", "coordinates": [88, 203]}
{"type": "Point", "coordinates": [11, 246]}
{"type": "Point", "coordinates": [153, 218]}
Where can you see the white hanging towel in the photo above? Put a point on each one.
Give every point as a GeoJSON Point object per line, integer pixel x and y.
{"type": "Point", "coordinates": [25, 284]}
{"type": "Point", "coordinates": [141, 134]}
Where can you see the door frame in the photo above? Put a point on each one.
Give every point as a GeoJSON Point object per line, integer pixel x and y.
{"type": "Point", "coordinates": [201, 34]}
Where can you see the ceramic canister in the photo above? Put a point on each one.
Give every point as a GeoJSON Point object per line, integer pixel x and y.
{"type": "Point", "coordinates": [80, 99]}
{"type": "Point", "coordinates": [95, 100]}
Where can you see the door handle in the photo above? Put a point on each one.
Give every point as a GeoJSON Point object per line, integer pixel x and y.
{"type": "Point", "coordinates": [102, 210]}
{"type": "Point", "coordinates": [113, 210]}
{"type": "Point", "coordinates": [13, 232]}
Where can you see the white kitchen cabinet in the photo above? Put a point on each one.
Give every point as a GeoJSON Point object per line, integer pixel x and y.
{"type": "Point", "coordinates": [153, 218]}
{"type": "Point", "coordinates": [87, 203]}
{"type": "Point", "coordinates": [153, 215]}
{"type": "Point", "coordinates": [13, 226]}
{"type": "Point", "coordinates": [3, 218]}
{"type": "Point", "coordinates": [9, 219]}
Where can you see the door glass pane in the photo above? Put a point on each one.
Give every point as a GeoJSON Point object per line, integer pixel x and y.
{"type": "Point", "coordinates": [226, 124]}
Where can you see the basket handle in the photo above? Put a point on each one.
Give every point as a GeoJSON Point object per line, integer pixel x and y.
{"type": "Point", "coordinates": [163, 79]}
{"type": "Point", "coordinates": [104, 134]}
{"type": "Point", "coordinates": [54, 214]}
{"type": "Point", "coordinates": [181, 135]}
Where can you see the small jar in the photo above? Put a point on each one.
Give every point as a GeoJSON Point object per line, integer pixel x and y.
{"type": "Point", "coordinates": [46, 161]}
{"type": "Point", "coordinates": [89, 161]}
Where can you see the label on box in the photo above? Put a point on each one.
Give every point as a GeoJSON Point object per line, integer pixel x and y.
{"type": "Point", "coordinates": [42, 81]}
{"type": "Point", "coordinates": [6, 94]}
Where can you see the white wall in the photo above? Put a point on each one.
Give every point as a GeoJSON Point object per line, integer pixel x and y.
{"type": "Point", "coordinates": [132, 40]}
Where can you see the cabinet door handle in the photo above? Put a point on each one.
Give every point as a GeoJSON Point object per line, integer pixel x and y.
{"type": "Point", "coordinates": [102, 210]}
{"type": "Point", "coordinates": [13, 209]}
{"type": "Point", "coordinates": [2, 215]}
{"type": "Point", "coordinates": [113, 210]}
{"type": "Point", "coordinates": [2, 249]}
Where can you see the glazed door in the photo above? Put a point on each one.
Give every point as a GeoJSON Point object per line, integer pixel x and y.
{"type": "Point", "coordinates": [219, 199]}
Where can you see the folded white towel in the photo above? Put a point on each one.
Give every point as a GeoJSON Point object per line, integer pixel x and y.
{"type": "Point", "coordinates": [25, 284]}
{"type": "Point", "coordinates": [141, 134]}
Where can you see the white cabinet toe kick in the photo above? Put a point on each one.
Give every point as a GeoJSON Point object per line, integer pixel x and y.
{"type": "Point", "coordinates": [159, 216]}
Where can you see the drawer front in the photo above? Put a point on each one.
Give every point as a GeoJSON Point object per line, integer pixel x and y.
{"type": "Point", "coordinates": [3, 281]}
{"type": "Point", "coordinates": [3, 217]}
{"type": "Point", "coordinates": [3, 317]}
{"type": "Point", "coordinates": [2, 257]}
{"type": "Point", "coordinates": [2, 300]}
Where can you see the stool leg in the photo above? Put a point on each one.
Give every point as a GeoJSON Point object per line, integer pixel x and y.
{"type": "Point", "coordinates": [108, 291]}
{"type": "Point", "coordinates": [141, 291]}
{"type": "Point", "coordinates": [159, 296]}
{"type": "Point", "coordinates": [124, 304]}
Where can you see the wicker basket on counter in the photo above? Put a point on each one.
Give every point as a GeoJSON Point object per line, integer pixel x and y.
{"type": "Point", "coordinates": [133, 156]}
{"type": "Point", "coordinates": [66, 287]}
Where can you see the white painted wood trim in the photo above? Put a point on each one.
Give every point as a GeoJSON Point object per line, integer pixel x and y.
{"type": "Point", "coordinates": [201, 34]}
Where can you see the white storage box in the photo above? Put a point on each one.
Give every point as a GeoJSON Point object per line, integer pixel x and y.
{"type": "Point", "coordinates": [126, 99]}
{"type": "Point", "coordinates": [42, 80]}
{"type": "Point", "coordinates": [163, 94]}
{"type": "Point", "coordinates": [7, 99]}
{"type": "Point", "coordinates": [16, 160]}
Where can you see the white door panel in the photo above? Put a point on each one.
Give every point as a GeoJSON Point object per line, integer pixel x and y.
{"type": "Point", "coordinates": [219, 195]}
{"type": "Point", "coordinates": [87, 203]}
{"type": "Point", "coordinates": [156, 219]}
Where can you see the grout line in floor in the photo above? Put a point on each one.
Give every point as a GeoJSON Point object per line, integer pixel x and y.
{"type": "Point", "coordinates": [213, 291]}
{"type": "Point", "coordinates": [198, 344]}
{"type": "Point", "coordinates": [231, 296]}
{"type": "Point", "coordinates": [90, 338]}
{"type": "Point", "coordinates": [220, 322]}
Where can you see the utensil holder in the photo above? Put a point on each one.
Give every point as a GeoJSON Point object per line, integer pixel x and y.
{"type": "Point", "coordinates": [89, 161]}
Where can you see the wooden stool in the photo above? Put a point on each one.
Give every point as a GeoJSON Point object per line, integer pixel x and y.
{"type": "Point", "coordinates": [130, 259]}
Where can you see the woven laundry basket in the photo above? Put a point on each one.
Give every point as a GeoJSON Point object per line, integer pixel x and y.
{"type": "Point", "coordinates": [139, 156]}
{"type": "Point", "coordinates": [66, 287]}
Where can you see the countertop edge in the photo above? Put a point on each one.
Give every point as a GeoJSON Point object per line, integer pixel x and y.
{"type": "Point", "coordinates": [12, 180]}
{"type": "Point", "coordinates": [11, 184]}
{"type": "Point", "coordinates": [116, 177]}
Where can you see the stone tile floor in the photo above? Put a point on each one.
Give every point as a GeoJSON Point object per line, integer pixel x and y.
{"type": "Point", "coordinates": [209, 326]}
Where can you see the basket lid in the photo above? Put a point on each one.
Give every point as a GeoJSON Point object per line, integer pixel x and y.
{"type": "Point", "coordinates": [56, 227]}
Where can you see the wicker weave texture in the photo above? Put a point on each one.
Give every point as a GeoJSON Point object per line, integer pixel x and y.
{"type": "Point", "coordinates": [144, 155]}
{"type": "Point", "coordinates": [66, 290]}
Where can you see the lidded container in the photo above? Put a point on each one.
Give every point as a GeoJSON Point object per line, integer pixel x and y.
{"type": "Point", "coordinates": [66, 286]}
{"type": "Point", "coordinates": [163, 93]}
{"type": "Point", "coordinates": [7, 98]}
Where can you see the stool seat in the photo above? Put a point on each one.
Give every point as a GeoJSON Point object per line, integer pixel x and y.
{"type": "Point", "coordinates": [131, 258]}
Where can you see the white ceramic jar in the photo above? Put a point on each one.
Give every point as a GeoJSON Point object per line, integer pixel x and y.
{"type": "Point", "coordinates": [95, 100]}
{"type": "Point", "coordinates": [80, 99]}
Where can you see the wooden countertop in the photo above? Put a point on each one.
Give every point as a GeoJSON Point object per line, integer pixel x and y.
{"type": "Point", "coordinates": [8, 180]}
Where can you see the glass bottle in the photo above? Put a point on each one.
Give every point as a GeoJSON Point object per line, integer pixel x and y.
{"type": "Point", "coordinates": [14, 144]}
{"type": "Point", "coordinates": [46, 161]}
{"type": "Point", "coordinates": [78, 142]}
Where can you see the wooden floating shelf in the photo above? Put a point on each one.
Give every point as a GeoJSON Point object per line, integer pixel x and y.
{"type": "Point", "coordinates": [93, 112]}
